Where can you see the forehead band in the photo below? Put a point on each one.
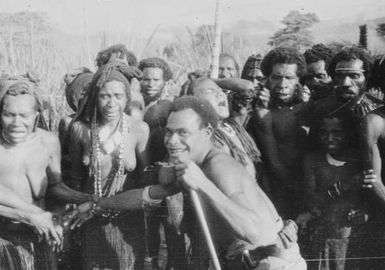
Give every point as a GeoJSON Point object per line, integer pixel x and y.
{"type": "Point", "coordinates": [350, 69]}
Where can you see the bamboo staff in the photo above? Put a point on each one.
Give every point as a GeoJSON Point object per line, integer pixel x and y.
{"type": "Point", "coordinates": [86, 36]}
{"type": "Point", "coordinates": [202, 220]}
{"type": "Point", "coordinates": [194, 196]}
{"type": "Point", "coordinates": [217, 41]}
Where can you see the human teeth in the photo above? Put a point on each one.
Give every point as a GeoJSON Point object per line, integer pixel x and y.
{"type": "Point", "coordinates": [174, 151]}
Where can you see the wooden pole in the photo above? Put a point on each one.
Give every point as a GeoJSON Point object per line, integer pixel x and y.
{"type": "Point", "coordinates": [87, 37]}
{"type": "Point", "coordinates": [205, 228]}
{"type": "Point", "coordinates": [217, 41]}
{"type": "Point", "coordinates": [194, 195]}
{"type": "Point", "coordinates": [31, 49]}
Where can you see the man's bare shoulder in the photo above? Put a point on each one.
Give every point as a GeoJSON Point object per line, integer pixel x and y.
{"type": "Point", "coordinates": [220, 164]}
{"type": "Point", "coordinates": [139, 127]}
{"type": "Point", "coordinates": [374, 121]}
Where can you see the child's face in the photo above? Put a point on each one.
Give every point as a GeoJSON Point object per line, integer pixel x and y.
{"type": "Point", "coordinates": [333, 135]}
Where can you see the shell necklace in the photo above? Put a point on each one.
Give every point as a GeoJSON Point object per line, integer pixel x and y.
{"type": "Point", "coordinates": [115, 179]}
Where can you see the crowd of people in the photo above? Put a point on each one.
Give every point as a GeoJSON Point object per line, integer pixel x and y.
{"type": "Point", "coordinates": [285, 156]}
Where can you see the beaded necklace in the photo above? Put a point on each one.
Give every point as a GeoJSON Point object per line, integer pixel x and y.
{"type": "Point", "coordinates": [115, 179]}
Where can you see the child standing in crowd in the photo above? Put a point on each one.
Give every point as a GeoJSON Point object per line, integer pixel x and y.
{"type": "Point", "coordinates": [332, 190]}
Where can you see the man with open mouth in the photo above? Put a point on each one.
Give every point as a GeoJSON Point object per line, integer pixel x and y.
{"type": "Point", "coordinates": [230, 136]}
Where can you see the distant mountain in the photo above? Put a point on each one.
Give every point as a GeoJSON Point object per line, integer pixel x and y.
{"type": "Point", "coordinates": [345, 31]}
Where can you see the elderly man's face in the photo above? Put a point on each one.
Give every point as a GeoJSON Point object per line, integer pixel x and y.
{"type": "Point", "coordinates": [349, 79]}
{"type": "Point", "coordinates": [283, 81]}
{"type": "Point", "coordinates": [227, 68]}
{"type": "Point", "coordinates": [18, 117]}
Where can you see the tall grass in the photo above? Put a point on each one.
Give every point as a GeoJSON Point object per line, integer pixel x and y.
{"type": "Point", "coordinates": [50, 55]}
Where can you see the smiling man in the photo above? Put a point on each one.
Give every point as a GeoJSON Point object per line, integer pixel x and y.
{"type": "Point", "coordinates": [245, 226]}
{"type": "Point", "coordinates": [247, 230]}
{"type": "Point", "coordinates": [276, 127]}
{"type": "Point", "coordinates": [156, 74]}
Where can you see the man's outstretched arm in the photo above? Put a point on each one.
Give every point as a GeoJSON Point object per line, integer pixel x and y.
{"type": "Point", "coordinates": [372, 130]}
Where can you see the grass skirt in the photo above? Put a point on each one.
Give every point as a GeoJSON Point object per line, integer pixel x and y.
{"type": "Point", "coordinates": [117, 244]}
{"type": "Point", "coordinates": [20, 249]}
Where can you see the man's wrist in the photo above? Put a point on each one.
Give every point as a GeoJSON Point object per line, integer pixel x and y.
{"type": "Point", "coordinates": [147, 201]}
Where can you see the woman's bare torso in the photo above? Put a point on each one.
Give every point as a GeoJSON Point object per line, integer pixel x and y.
{"type": "Point", "coordinates": [24, 166]}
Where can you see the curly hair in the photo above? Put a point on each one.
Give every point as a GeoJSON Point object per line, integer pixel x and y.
{"type": "Point", "coordinates": [200, 106]}
{"type": "Point", "coordinates": [283, 55]}
{"type": "Point", "coordinates": [253, 62]}
{"type": "Point", "coordinates": [377, 78]}
{"type": "Point", "coordinates": [349, 54]}
{"type": "Point", "coordinates": [104, 56]}
{"type": "Point", "coordinates": [156, 62]}
{"type": "Point", "coordinates": [226, 55]}
{"type": "Point", "coordinates": [317, 53]}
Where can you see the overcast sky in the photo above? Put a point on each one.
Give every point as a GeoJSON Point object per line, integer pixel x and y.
{"type": "Point", "coordinates": [145, 15]}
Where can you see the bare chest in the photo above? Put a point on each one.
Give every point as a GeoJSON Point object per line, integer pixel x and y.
{"type": "Point", "coordinates": [23, 169]}
{"type": "Point", "coordinates": [109, 156]}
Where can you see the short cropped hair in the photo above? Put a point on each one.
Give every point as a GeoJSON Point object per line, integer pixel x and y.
{"type": "Point", "coordinates": [200, 106]}
{"type": "Point", "coordinates": [283, 55]}
{"type": "Point", "coordinates": [156, 62]}
{"type": "Point", "coordinates": [349, 54]}
{"type": "Point", "coordinates": [319, 52]}
{"type": "Point", "coordinates": [104, 56]}
{"type": "Point", "coordinates": [226, 55]}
